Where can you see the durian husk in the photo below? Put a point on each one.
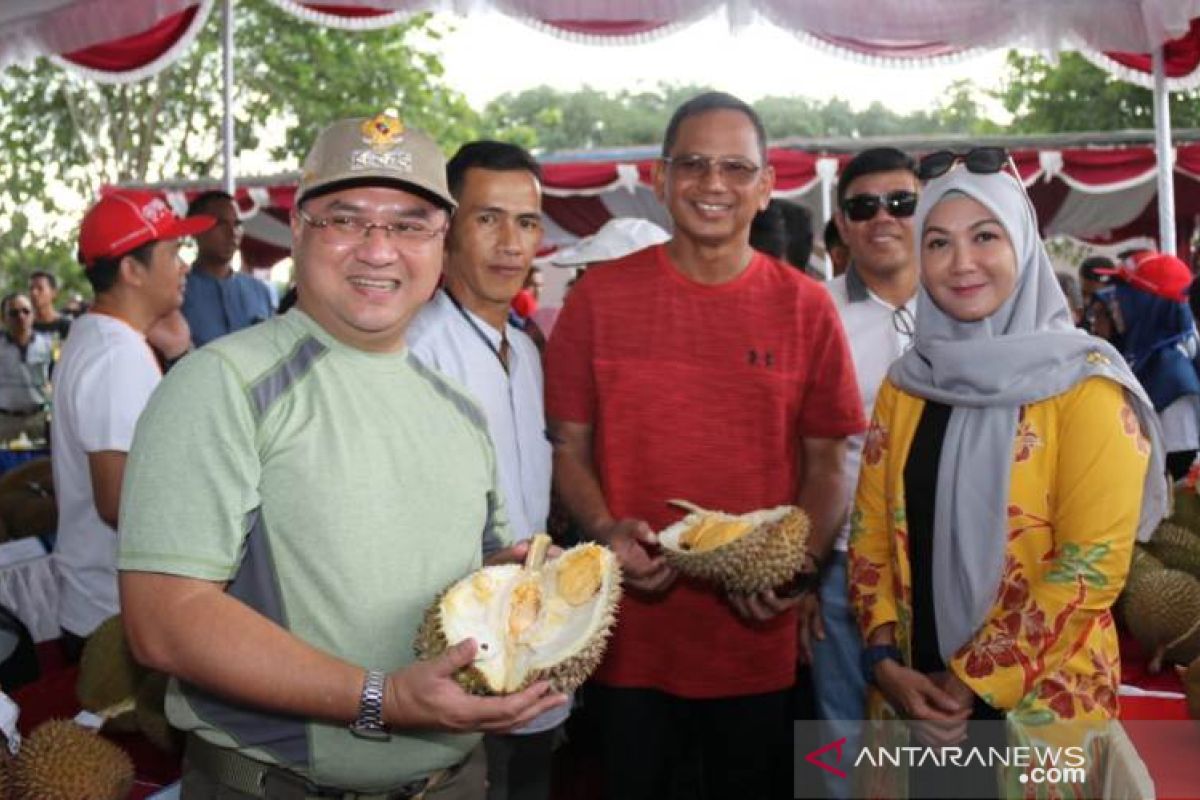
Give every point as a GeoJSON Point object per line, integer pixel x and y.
{"type": "Point", "coordinates": [151, 717]}
{"type": "Point", "coordinates": [1177, 547]}
{"type": "Point", "coordinates": [767, 556]}
{"type": "Point", "coordinates": [62, 761]}
{"type": "Point", "coordinates": [1190, 676]}
{"type": "Point", "coordinates": [1186, 508]}
{"type": "Point", "coordinates": [109, 675]}
{"type": "Point", "coordinates": [1162, 610]}
{"type": "Point", "coordinates": [563, 676]}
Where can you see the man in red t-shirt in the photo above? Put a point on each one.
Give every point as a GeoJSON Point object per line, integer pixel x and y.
{"type": "Point", "coordinates": [699, 369]}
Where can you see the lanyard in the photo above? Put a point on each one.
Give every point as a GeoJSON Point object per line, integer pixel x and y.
{"type": "Point", "coordinates": [501, 354]}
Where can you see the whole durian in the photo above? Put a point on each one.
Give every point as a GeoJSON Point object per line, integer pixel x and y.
{"type": "Point", "coordinates": [1186, 508]}
{"type": "Point", "coordinates": [547, 620]}
{"type": "Point", "coordinates": [150, 715]}
{"type": "Point", "coordinates": [109, 675]}
{"type": "Point", "coordinates": [1177, 547]}
{"type": "Point", "coordinates": [1191, 687]}
{"type": "Point", "coordinates": [743, 554]}
{"type": "Point", "coordinates": [1162, 610]}
{"type": "Point", "coordinates": [62, 761]}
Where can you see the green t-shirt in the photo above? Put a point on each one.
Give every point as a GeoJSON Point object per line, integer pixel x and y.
{"type": "Point", "coordinates": [337, 492]}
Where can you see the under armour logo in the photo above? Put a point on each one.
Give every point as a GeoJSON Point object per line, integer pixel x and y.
{"type": "Point", "coordinates": [767, 359]}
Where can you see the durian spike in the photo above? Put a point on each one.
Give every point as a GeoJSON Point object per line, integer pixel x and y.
{"type": "Point", "coordinates": [536, 556]}
{"type": "Point", "coordinates": [689, 506]}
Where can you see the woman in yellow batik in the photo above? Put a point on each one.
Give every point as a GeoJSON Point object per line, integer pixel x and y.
{"type": "Point", "coordinates": [1010, 463]}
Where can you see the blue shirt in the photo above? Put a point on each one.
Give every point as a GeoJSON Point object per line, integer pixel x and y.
{"type": "Point", "coordinates": [217, 306]}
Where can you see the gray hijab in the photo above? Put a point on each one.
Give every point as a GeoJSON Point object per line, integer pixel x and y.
{"type": "Point", "coordinates": [1027, 350]}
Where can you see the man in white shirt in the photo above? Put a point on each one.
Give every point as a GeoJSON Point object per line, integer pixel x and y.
{"type": "Point", "coordinates": [464, 332]}
{"type": "Point", "coordinates": [876, 300]}
{"type": "Point", "coordinates": [129, 248]}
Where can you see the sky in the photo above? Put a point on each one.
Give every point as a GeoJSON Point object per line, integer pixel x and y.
{"type": "Point", "coordinates": [488, 54]}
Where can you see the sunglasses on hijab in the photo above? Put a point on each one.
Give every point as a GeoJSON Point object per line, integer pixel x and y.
{"type": "Point", "coordinates": [979, 160]}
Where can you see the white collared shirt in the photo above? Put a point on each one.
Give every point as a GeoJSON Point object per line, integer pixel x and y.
{"type": "Point", "coordinates": [456, 344]}
{"type": "Point", "coordinates": [875, 342]}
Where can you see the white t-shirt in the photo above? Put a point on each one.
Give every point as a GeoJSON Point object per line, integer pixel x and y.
{"type": "Point", "coordinates": [464, 348]}
{"type": "Point", "coordinates": [103, 380]}
{"type": "Point", "coordinates": [876, 332]}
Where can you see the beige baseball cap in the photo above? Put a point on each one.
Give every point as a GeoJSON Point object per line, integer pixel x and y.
{"type": "Point", "coordinates": [369, 151]}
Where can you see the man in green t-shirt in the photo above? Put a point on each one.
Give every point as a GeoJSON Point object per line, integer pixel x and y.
{"type": "Point", "coordinates": [297, 495]}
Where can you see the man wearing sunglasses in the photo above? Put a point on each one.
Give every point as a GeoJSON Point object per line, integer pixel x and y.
{"type": "Point", "coordinates": [25, 359]}
{"type": "Point", "coordinates": [702, 370]}
{"type": "Point", "coordinates": [876, 298]}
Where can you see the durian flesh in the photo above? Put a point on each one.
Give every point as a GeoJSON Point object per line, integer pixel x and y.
{"type": "Point", "coordinates": [744, 554]}
{"type": "Point", "coordinates": [548, 623]}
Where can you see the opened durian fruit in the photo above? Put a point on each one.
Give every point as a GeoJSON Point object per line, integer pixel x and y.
{"type": "Point", "coordinates": [546, 620]}
{"type": "Point", "coordinates": [744, 554]}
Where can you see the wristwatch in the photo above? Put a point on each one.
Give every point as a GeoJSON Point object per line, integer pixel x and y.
{"type": "Point", "coordinates": [369, 724]}
{"type": "Point", "coordinates": [872, 655]}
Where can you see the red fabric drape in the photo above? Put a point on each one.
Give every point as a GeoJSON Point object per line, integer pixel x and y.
{"type": "Point", "coordinates": [1182, 55]}
{"type": "Point", "coordinates": [134, 52]}
{"type": "Point", "coordinates": [601, 27]}
{"type": "Point", "coordinates": [348, 12]}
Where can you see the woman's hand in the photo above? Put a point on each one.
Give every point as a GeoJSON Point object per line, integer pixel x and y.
{"type": "Point", "coordinates": [941, 716]}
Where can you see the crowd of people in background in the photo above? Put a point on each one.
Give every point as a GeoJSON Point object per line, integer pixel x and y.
{"type": "Point", "coordinates": [400, 417]}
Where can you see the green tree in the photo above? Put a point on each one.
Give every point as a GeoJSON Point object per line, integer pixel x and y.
{"type": "Point", "coordinates": [64, 137]}
{"type": "Point", "coordinates": [1074, 95]}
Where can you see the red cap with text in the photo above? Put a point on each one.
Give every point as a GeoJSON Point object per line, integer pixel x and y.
{"type": "Point", "coordinates": [127, 219]}
{"type": "Point", "coordinates": [1159, 274]}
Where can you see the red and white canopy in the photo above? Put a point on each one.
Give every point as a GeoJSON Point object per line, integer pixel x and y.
{"type": "Point", "coordinates": [1098, 194]}
{"type": "Point", "coordinates": [128, 39]}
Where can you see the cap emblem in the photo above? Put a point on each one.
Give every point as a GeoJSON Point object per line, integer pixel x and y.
{"type": "Point", "coordinates": [383, 132]}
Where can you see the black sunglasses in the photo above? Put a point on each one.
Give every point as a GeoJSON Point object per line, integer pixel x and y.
{"type": "Point", "coordinates": [980, 160]}
{"type": "Point", "coordinates": [862, 207]}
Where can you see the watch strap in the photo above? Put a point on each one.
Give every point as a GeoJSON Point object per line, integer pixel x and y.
{"type": "Point", "coordinates": [369, 724]}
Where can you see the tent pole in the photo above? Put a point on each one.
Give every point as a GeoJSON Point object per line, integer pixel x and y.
{"type": "Point", "coordinates": [1162, 146]}
{"type": "Point", "coordinates": [227, 141]}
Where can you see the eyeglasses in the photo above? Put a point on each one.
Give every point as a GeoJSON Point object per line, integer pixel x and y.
{"type": "Point", "coordinates": [980, 160]}
{"type": "Point", "coordinates": [342, 229]}
{"type": "Point", "coordinates": [734, 171]}
{"type": "Point", "coordinates": [862, 207]}
{"type": "Point", "coordinates": [13, 313]}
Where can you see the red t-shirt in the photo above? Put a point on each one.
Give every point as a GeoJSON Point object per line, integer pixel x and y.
{"type": "Point", "coordinates": [703, 393]}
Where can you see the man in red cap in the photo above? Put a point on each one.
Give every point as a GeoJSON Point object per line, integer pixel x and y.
{"type": "Point", "coordinates": [129, 248]}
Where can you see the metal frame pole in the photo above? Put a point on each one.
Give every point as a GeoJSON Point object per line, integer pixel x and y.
{"type": "Point", "coordinates": [227, 138]}
{"type": "Point", "coordinates": [1165, 156]}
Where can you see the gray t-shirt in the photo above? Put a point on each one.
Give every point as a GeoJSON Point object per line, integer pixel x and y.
{"type": "Point", "coordinates": [338, 492]}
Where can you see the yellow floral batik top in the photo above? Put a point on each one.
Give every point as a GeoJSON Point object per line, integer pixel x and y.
{"type": "Point", "coordinates": [1047, 650]}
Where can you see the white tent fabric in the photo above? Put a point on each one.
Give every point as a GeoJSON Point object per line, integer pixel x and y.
{"type": "Point", "coordinates": [29, 28]}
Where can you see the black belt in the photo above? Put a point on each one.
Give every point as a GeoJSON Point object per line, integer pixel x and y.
{"type": "Point", "coordinates": [241, 773]}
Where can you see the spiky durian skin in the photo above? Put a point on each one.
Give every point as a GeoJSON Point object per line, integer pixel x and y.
{"type": "Point", "coordinates": [565, 676]}
{"type": "Point", "coordinates": [108, 673]}
{"type": "Point", "coordinates": [1177, 547]}
{"type": "Point", "coordinates": [431, 643]}
{"type": "Point", "coordinates": [151, 716]}
{"type": "Point", "coordinates": [1191, 687]}
{"type": "Point", "coordinates": [1160, 606]}
{"type": "Point", "coordinates": [762, 559]}
{"type": "Point", "coordinates": [62, 761]}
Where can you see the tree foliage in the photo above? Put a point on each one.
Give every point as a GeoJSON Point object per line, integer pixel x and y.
{"type": "Point", "coordinates": [64, 137]}
{"type": "Point", "coordinates": [552, 119]}
{"type": "Point", "coordinates": [1074, 95]}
